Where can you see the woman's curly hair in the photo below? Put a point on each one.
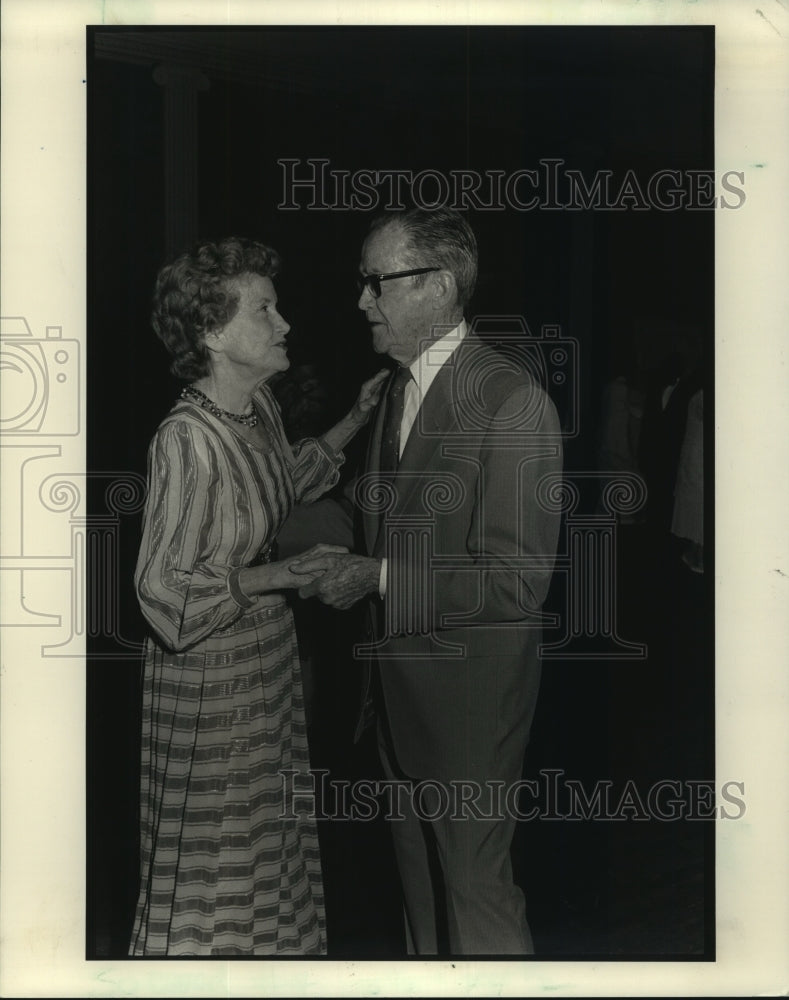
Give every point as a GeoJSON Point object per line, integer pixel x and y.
{"type": "Point", "coordinates": [197, 294]}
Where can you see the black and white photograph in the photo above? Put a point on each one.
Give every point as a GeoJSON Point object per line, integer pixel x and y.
{"type": "Point", "coordinates": [376, 515]}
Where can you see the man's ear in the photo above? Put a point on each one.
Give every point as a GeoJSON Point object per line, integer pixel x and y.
{"type": "Point", "coordinates": [445, 289]}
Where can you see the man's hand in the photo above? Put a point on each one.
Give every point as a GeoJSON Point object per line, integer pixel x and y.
{"type": "Point", "coordinates": [345, 580]}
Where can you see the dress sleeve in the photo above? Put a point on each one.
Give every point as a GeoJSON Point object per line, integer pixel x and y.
{"type": "Point", "coordinates": [315, 469]}
{"type": "Point", "coordinates": [185, 583]}
{"type": "Point", "coordinates": [314, 466]}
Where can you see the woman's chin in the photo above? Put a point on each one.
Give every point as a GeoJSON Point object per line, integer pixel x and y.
{"type": "Point", "coordinates": [277, 365]}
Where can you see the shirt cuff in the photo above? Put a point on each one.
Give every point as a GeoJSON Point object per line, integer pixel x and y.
{"type": "Point", "coordinates": [234, 587]}
{"type": "Point", "coordinates": [382, 579]}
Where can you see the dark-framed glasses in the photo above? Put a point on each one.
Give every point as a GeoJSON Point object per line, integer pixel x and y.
{"type": "Point", "coordinates": [373, 281]}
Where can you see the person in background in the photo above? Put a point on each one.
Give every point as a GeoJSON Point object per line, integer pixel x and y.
{"type": "Point", "coordinates": [688, 518]}
{"type": "Point", "coordinates": [673, 383]}
{"type": "Point", "coordinates": [621, 414]}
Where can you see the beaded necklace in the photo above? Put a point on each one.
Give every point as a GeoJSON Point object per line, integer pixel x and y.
{"type": "Point", "coordinates": [247, 419]}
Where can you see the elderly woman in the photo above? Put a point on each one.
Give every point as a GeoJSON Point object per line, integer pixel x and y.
{"type": "Point", "coordinates": [228, 868]}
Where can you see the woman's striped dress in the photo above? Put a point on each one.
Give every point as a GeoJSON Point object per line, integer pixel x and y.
{"type": "Point", "coordinates": [229, 867]}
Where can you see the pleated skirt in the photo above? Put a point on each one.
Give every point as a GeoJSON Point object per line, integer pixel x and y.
{"type": "Point", "coordinates": [228, 866]}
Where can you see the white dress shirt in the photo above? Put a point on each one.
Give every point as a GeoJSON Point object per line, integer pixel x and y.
{"type": "Point", "coordinates": [423, 371]}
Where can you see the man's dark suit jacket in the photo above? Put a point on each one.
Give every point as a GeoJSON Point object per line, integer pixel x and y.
{"type": "Point", "coordinates": [466, 487]}
{"type": "Point", "coordinates": [485, 436]}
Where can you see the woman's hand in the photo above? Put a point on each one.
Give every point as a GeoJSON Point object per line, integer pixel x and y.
{"type": "Point", "coordinates": [350, 425]}
{"type": "Point", "coordinates": [321, 554]}
{"type": "Point", "coordinates": [369, 394]}
{"type": "Point", "coordinates": [277, 576]}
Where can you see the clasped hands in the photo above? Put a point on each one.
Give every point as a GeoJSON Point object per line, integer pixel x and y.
{"type": "Point", "coordinates": [334, 575]}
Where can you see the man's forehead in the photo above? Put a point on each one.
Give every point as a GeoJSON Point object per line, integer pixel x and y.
{"type": "Point", "coordinates": [384, 247]}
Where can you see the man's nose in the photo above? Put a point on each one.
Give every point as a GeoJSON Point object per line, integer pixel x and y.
{"type": "Point", "coordinates": [366, 297]}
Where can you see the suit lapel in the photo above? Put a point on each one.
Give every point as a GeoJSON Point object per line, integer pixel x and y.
{"type": "Point", "coordinates": [436, 421]}
{"type": "Point", "coordinates": [436, 418]}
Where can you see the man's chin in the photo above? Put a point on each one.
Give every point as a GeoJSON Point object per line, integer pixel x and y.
{"type": "Point", "coordinates": [380, 339]}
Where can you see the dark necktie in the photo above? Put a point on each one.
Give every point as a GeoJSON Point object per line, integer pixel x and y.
{"type": "Point", "coordinates": [393, 418]}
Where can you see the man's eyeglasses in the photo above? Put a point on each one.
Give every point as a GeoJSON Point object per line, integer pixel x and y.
{"type": "Point", "coordinates": [373, 281]}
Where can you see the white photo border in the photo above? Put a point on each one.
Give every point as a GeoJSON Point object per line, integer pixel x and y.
{"type": "Point", "coordinates": [42, 893]}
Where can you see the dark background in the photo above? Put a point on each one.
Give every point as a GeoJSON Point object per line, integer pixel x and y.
{"type": "Point", "coordinates": [444, 99]}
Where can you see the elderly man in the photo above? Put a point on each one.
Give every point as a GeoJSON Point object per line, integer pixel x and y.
{"type": "Point", "coordinates": [459, 555]}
